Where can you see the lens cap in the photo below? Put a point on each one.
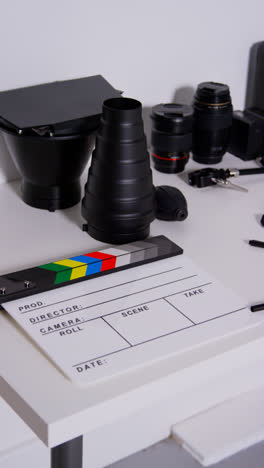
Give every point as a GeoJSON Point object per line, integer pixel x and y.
{"type": "Point", "coordinates": [172, 118]}
{"type": "Point", "coordinates": [210, 92]}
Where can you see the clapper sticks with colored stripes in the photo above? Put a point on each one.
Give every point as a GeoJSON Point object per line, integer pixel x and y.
{"type": "Point", "coordinates": [85, 266]}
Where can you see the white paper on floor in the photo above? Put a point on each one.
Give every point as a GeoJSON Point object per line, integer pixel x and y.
{"type": "Point", "coordinates": [225, 429]}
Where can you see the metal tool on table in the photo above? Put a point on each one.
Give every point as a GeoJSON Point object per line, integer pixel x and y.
{"type": "Point", "coordinates": [211, 176]}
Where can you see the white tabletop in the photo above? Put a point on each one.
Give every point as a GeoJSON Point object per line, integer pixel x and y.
{"type": "Point", "coordinates": [214, 235]}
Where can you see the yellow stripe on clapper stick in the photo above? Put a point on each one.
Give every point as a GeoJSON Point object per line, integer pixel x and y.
{"type": "Point", "coordinates": [79, 268]}
{"type": "Point", "coordinates": [79, 272]}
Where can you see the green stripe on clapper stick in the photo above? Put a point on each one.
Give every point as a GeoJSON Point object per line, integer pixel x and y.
{"type": "Point", "coordinates": [63, 276]}
{"type": "Point", "coordinates": [63, 272]}
{"type": "Point", "coordinates": [54, 267]}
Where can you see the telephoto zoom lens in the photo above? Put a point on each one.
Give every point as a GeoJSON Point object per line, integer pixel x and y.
{"type": "Point", "coordinates": [212, 122]}
{"type": "Point", "coordinates": [171, 137]}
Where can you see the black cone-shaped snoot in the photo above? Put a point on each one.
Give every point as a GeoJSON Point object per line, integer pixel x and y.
{"type": "Point", "coordinates": [119, 198]}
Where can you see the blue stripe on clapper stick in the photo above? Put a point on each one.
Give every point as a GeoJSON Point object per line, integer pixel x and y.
{"type": "Point", "coordinates": [93, 265]}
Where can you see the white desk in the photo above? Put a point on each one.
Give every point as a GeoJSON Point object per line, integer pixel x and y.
{"type": "Point", "coordinates": [215, 236]}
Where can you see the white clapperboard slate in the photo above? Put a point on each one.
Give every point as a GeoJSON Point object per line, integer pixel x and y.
{"type": "Point", "coordinates": [116, 323]}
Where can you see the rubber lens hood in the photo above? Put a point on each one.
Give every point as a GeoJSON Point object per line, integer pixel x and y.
{"type": "Point", "coordinates": [51, 167]}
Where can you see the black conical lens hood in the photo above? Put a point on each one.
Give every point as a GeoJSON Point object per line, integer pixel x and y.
{"type": "Point", "coordinates": [49, 132]}
{"type": "Point", "coordinates": [51, 167]}
{"type": "Point", "coordinates": [119, 195]}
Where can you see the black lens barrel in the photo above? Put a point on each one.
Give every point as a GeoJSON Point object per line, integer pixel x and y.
{"type": "Point", "coordinates": [171, 137]}
{"type": "Point", "coordinates": [212, 122]}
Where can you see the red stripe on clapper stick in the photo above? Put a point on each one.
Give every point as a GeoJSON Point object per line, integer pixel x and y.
{"type": "Point", "coordinates": [108, 261]}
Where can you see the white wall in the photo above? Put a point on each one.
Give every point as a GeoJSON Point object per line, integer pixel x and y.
{"type": "Point", "coordinates": [154, 50]}
{"type": "Point", "coordinates": [148, 48]}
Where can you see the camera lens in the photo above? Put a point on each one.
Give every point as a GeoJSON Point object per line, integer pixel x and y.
{"type": "Point", "coordinates": [171, 137]}
{"type": "Point", "coordinates": [212, 122]}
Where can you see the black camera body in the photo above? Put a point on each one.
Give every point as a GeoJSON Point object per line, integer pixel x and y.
{"type": "Point", "coordinates": [247, 133]}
